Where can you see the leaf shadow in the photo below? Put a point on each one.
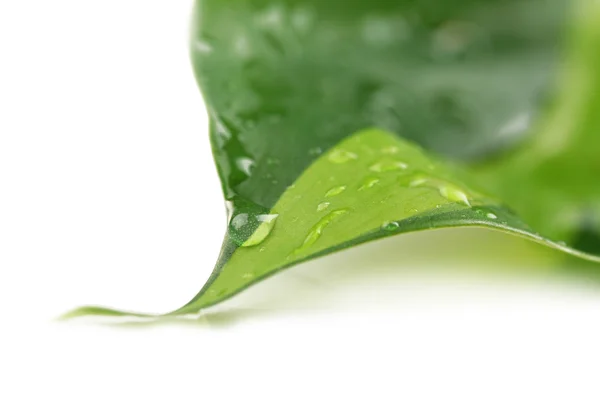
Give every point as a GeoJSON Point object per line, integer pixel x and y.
{"type": "Point", "coordinates": [380, 275]}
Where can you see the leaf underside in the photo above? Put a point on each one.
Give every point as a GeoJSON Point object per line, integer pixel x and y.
{"type": "Point", "coordinates": [337, 123]}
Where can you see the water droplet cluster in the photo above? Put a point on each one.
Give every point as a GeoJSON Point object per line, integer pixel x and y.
{"type": "Point", "coordinates": [388, 168]}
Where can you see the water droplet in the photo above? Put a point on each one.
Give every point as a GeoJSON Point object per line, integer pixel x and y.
{"type": "Point", "coordinates": [322, 206]}
{"type": "Point", "coordinates": [491, 216]}
{"type": "Point", "coordinates": [382, 31]}
{"type": "Point", "coordinates": [335, 191]}
{"type": "Point", "coordinates": [203, 47]}
{"type": "Point", "coordinates": [390, 150]}
{"type": "Point", "coordinates": [390, 226]}
{"type": "Point", "coordinates": [267, 222]}
{"type": "Point", "coordinates": [315, 151]}
{"type": "Point", "coordinates": [222, 130]}
{"type": "Point", "coordinates": [222, 292]}
{"type": "Point", "coordinates": [377, 31]}
{"type": "Point", "coordinates": [386, 166]}
{"type": "Point", "coordinates": [317, 230]}
{"type": "Point", "coordinates": [516, 125]}
{"type": "Point", "coordinates": [369, 183]}
{"type": "Point", "coordinates": [239, 221]}
{"type": "Point", "coordinates": [248, 275]}
{"type": "Point", "coordinates": [452, 38]}
{"type": "Point", "coordinates": [271, 17]}
{"type": "Point", "coordinates": [229, 210]}
{"type": "Point", "coordinates": [448, 190]}
{"type": "Point", "coordinates": [262, 249]}
{"type": "Point", "coordinates": [340, 156]}
{"type": "Point", "coordinates": [273, 161]}
{"type": "Point", "coordinates": [419, 180]}
{"type": "Point", "coordinates": [245, 165]}
{"type": "Point", "coordinates": [302, 19]}
{"type": "Point", "coordinates": [241, 46]}
{"type": "Point", "coordinates": [274, 181]}
{"type": "Point", "coordinates": [455, 194]}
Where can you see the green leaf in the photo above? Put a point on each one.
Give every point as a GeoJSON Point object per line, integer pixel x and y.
{"type": "Point", "coordinates": [372, 185]}
{"type": "Point", "coordinates": [553, 180]}
{"type": "Point", "coordinates": [334, 123]}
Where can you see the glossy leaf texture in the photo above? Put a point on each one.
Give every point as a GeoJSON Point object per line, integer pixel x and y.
{"type": "Point", "coordinates": [337, 122]}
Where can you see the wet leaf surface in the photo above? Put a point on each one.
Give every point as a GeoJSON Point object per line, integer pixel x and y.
{"type": "Point", "coordinates": [334, 123]}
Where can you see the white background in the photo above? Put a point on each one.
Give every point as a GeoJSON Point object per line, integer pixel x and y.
{"type": "Point", "coordinates": [108, 195]}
